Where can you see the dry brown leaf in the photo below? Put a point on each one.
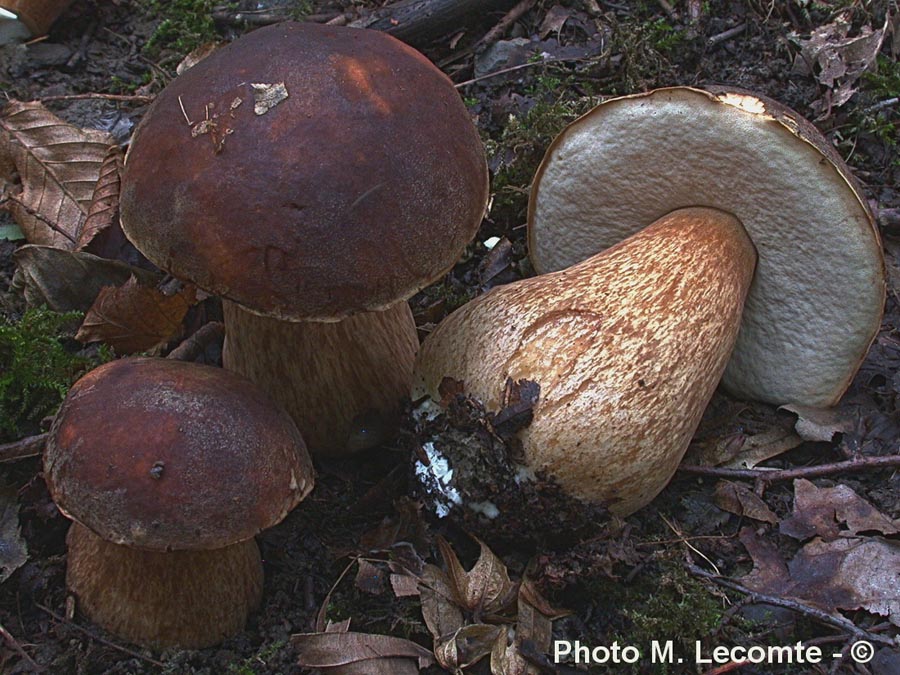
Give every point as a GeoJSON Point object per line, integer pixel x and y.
{"type": "Point", "coordinates": [743, 451]}
{"type": "Point", "coordinates": [58, 164]}
{"type": "Point", "coordinates": [742, 501]}
{"type": "Point", "coordinates": [69, 280]}
{"type": "Point", "coordinates": [485, 588]}
{"type": "Point", "coordinates": [134, 318]}
{"type": "Point", "coordinates": [833, 512]}
{"type": "Point", "coordinates": [847, 573]}
{"type": "Point", "coordinates": [13, 550]}
{"type": "Point", "coordinates": [440, 610]}
{"type": "Point", "coordinates": [467, 646]}
{"type": "Point", "coordinates": [345, 653]}
{"type": "Point", "coordinates": [554, 20]}
{"type": "Point", "coordinates": [819, 424]}
{"type": "Point", "coordinates": [196, 56]}
{"type": "Point", "coordinates": [103, 211]}
{"type": "Point", "coordinates": [370, 578]}
{"type": "Point", "coordinates": [404, 585]}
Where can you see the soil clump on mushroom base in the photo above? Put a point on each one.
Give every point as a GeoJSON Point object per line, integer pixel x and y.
{"type": "Point", "coordinates": [625, 583]}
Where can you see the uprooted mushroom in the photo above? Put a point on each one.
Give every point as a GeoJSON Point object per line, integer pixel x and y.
{"type": "Point", "coordinates": [315, 177]}
{"type": "Point", "coordinates": [648, 216]}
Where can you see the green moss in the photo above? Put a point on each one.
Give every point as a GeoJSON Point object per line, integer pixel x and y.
{"type": "Point", "coordinates": [663, 603]}
{"type": "Point", "coordinates": [36, 369]}
{"type": "Point", "coordinates": [248, 666]}
{"type": "Point", "coordinates": [185, 25]}
{"type": "Point", "coordinates": [524, 140]}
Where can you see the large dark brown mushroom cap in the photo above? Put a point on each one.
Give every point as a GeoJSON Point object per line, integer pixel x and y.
{"type": "Point", "coordinates": [167, 455]}
{"type": "Point", "coordinates": [360, 188]}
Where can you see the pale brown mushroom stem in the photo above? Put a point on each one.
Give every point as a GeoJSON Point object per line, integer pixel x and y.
{"type": "Point", "coordinates": [182, 599]}
{"type": "Point", "coordinates": [341, 381]}
{"type": "Point", "coordinates": [627, 347]}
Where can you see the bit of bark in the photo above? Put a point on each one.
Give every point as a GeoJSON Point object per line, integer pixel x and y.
{"type": "Point", "coordinates": [197, 343]}
{"type": "Point", "coordinates": [418, 21]}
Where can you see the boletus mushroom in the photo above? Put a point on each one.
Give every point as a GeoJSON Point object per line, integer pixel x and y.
{"type": "Point", "coordinates": [315, 177]}
{"type": "Point", "coordinates": [647, 217]}
{"type": "Point", "coordinates": [168, 470]}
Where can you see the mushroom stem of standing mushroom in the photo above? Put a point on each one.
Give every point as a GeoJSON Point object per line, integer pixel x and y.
{"type": "Point", "coordinates": [184, 599]}
{"type": "Point", "coordinates": [341, 381]}
{"type": "Point", "coordinates": [627, 348]}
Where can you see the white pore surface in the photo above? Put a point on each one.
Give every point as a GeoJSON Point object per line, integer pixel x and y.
{"type": "Point", "coordinates": [817, 296]}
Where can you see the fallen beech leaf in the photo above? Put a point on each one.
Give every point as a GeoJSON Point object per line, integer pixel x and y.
{"type": "Point", "coordinates": [854, 573]}
{"type": "Point", "coordinates": [818, 424]}
{"type": "Point", "coordinates": [59, 164]}
{"type": "Point", "coordinates": [847, 573]}
{"type": "Point", "coordinates": [743, 451]}
{"type": "Point", "coordinates": [134, 318]}
{"type": "Point", "coordinates": [196, 56]}
{"type": "Point", "coordinates": [102, 234]}
{"type": "Point", "coordinates": [404, 585]}
{"type": "Point", "coordinates": [833, 512]}
{"type": "Point", "coordinates": [485, 588]}
{"type": "Point", "coordinates": [13, 551]}
{"type": "Point", "coordinates": [337, 653]}
{"type": "Point", "coordinates": [69, 280]}
{"type": "Point", "coordinates": [467, 646]}
{"type": "Point", "coordinates": [554, 20]}
{"type": "Point", "coordinates": [741, 501]}
{"type": "Point", "coordinates": [442, 615]}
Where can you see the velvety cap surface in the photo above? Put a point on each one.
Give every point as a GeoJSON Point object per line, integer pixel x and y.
{"type": "Point", "coordinates": [166, 455]}
{"type": "Point", "coordinates": [817, 298]}
{"type": "Point", "coordinates": [307, 172]}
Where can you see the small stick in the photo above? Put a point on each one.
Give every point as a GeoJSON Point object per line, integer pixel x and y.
{"type": "Point", "coordinates": [197, 343]}
{"type": "Point", "coordinates": [668, 9]}
{"type": "Point", "coordinates": [767, 476]}
{"type": "Point", "coordinates": [794, 605]}
{"type": "Point", "coordinates": [97, 638]}
{"type": "Point", "coordinates": [727, 35]}
{"type": "Point", "coordinates": [14, 644]}
{"type": "Point", "coordinates": [503, 71]}
{"type": "Point", "coordinates": [31, 446]}
{"type": "Point", "coordinates": [503, 25]}
{"type": "Point", "coordinates": [124, 98]}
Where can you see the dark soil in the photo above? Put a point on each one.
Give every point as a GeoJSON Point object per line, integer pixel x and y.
{"type": "Point", "coordinates": [624, 581]}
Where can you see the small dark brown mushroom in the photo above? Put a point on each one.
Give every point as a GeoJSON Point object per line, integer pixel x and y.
{"type": "Point", "coordinates": [169, 469]}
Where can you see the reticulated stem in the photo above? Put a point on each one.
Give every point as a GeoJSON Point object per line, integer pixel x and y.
{"type": "Point", "coordinates": [182, 599]}
{"type": "Point", "coordinates": [342, 381]}
{"type": "Point", "coordinates": [627, 348]}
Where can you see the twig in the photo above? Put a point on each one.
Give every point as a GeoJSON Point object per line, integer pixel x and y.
{"type": "Point", "coordinates": [197, 343]}
{"type": "Point", "coordinates": [124, 98]}
{"type": "Point", "coordinates": [264, 18]}
{"type": "Point", "coordinates": [97, 638]}
{"type": "Point", "coordinates": [32, 446]}
{"type": "Point", "coordinates": [503, 25]}
{"type": "Point", "coordinates": [503, 71]}
{"type": "Point", "coordinates": [668, 9]}
{"type": "Point", "coordinates": [793, 605]}
{"type": "Point", "coordinates": [881, 105]}
{"type": "Point", "coordinates": [765, 477]}
{"type": "Point", "coordinates": [688, 544]}
{"type": "Point", "coordinates": [726, 35]}
{"type": "Point", "coordinates": [14, 644]}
